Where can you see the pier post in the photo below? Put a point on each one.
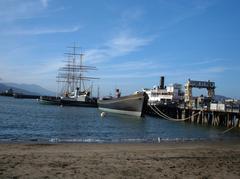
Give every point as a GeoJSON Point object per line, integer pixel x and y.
{"type": "Point", "coordinates": [192, 118]}
{"type": "Point", "coordinates": [198, 118]}
{"type": "Point", "coordinates": [177, 114]}
{"type": "Point", "coordinates": [238, 122]}
{"type": "Point", "coordinates": [213, 119]}
{"type": "Point", "coordinates": [235, 121]}
{"type": "Point", "coordinates": [218, 119]}
{"type": "Point", "coordinates": [228, 120]}
{"type": "Point", "coordinates": [183, 114]}
{"type": "Point", "coordinates": [208, 116]}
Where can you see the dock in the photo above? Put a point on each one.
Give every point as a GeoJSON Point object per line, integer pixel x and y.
{"type": "Point", "coordinates": [173, 104]}
{"type": "Point", "coordinates": [222, 118]}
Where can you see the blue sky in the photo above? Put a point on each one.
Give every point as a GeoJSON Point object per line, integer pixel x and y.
{"type": "Point", "coordinates": [132, 43]}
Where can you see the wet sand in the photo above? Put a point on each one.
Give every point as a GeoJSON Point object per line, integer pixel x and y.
{"type": "Point", "coordinates": [219, 159]}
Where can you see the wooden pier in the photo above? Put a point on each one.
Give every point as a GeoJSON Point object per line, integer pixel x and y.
{"type": "Point", "coordinates": [213, 118]}
{"type": "Point", "coordinates": [228, 118]}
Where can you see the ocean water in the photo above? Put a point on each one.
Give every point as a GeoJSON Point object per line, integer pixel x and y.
{"type": "Point", "coordinates": [23, 120]}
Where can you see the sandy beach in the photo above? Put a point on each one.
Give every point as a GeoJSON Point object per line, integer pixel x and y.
{"type": "Point", "coordinates": [219, 159]}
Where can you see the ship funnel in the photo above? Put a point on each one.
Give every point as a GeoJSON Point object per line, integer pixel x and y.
{"type": "Point", "coordinates": [162, 82]}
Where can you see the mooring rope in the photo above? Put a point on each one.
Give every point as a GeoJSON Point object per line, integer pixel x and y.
{"type": "Point", "coordinates": [164, 115]}
{"type": "Point", "coordinates": [156, 112]}
{"type": "Point", "coordinates": [161, 114]}
{"type": "Point", "coordinates": [228, 130]}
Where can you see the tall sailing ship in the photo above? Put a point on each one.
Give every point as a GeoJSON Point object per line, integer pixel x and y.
{"type": "Point", "coordinates": [71, 78]}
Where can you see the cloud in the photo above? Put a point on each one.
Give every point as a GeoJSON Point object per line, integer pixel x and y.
{"type": "Point", "coordinates": [132, 65]}
{"type": "Point", "coordinates": [31, 72]}
{"type": "Point", "coordinates": [117, 46]}
{"type": "Point", "coordinates": [125, 43]}
{"type": "Point", "coordinates": [130, 15]}
{"type": "Point", "coordinates": [180, 11]}
{"type": "Point", "coordinates": [200, 62]}
{"type": "Point", "coordinates": [200, 73]}
{"type": "Point", "coordinates": [217, 69]}
{"type": "Point", "coordinates": [44, 3]}
{"type": "Point", "coordinates": [51, 66]}
{"type": "Point", "coordinates": [142, 72]}
{"type": "Point", "coordinates": [40, 31]}
{"type": "Point", "coordinates": [15, 9]}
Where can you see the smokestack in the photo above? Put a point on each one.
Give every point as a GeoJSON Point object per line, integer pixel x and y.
{"type": "Point", "coordinates": [162, 82]}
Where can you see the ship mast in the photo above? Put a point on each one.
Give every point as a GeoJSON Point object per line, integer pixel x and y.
{"type": "Point", "coordinates": [72, 74]}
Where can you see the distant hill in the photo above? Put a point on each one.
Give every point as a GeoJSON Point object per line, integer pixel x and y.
{"type": "Point", "coordinates": [26, 89]}
{"type": "Point", "coordinates": [220, 98]}
{"type": "Point", "coordinates": [4, 87]}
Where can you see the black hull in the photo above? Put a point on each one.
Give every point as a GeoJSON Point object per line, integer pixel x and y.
{"type": "Point", "coordinates": [25, 96]}
{"type": "Point", "coordinates": [66, 102]}
{"type": "Point", "coordinates": [50, 100]}
{"type": "Point", "coordinates": [130, 105]}
{"type": "Point", "coordinates": [78, 103]}
{"type": "Point", "coordinates": [170, 110]}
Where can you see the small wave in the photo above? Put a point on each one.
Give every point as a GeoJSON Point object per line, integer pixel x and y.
{"type": "Point", "coordinates": [96, 140]}
{"type": "Point", "coordinates": [125, 140]}
{"type": "Point", "coordinates": [87, 140]}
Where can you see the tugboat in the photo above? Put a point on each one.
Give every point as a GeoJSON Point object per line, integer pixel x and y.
{"type": "Point", "coordinates": [73, 80]}
{"type": "Point", "coordinates": [133, 105]}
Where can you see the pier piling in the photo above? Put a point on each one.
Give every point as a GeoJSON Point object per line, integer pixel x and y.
{"type": "Point", "coordinates": [200, 116]}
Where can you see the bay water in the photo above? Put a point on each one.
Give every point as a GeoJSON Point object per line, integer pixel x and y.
{"type": "Point", "coordinates": [25, 120]}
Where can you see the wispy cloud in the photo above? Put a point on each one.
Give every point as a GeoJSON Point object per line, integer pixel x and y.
{"type": "Point", "coordinates": [142, 65]}
{"type": "Point", "coordinates": [31, 72]}
{"type": "Point", "coordinates": [198, 72]}
{"type": "Point", "coordinates": [132, 65]}
{"type": "Point", "coordinates": [15, 9]}
{"type": "Point", "coordinates": [217, 69]}
{"type": "Point", "coordinates": [125, 43]}
{"type": "Point", "coordinates": [40, 31]}
{"type": "Point", "coordinates": [176, 73]}
{"type": "Point", "coordinates": [44, 3]}
{"type": "Point", "coordinates": [183, 10]}
{"type": "Point", "coordinates": [207, 61]}
{"type": "Point", "coordinates": [130, 15]}
{"type": "Point", "coordinates": [117, 46]}
{"type": "Point", "coordinates": [51, 66]}
{"type": "Point", "coordinates": [200, 62]}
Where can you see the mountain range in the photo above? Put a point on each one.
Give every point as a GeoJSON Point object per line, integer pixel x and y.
{"type": "Point", "coordinates": [33, 89]}
{"type": "Point", "coordinates": [220, 98]}
{"type": "Point", "coordinates": [30, 89]}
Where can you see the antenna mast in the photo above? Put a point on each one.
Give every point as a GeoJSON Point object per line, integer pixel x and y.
{"type": "Point", "coordinates": [72, 74]}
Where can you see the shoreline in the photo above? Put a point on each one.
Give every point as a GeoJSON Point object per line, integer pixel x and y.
{"type": "Point", "coordinates": [117, 141]}
{"type": "Point", "coordinates": [192, 159]}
